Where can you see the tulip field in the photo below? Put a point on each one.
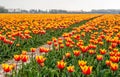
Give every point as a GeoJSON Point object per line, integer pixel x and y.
{"type": "Point", "coordinates": [60, 45]}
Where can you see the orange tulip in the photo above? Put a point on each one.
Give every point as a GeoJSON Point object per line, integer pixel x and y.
{"type": "Point", "coordinates": [101, 43]}
{"type": "Point", "coordinates": [10, 42]}
{"type": "Point", "coordinates": [92, 52]}
{"type": "Point", "coordinates": [71, 45]}
{"type": "Point", "coordinates": [82, 63]}
{"type": "Point", "coordinates": [99, 57]}
{"type": "Point", "coordinates": [61, 65]}
{"type": "Point", "coordinates": [61, 45]}
{"type": "Point", "coordinates": [76, 52]}
{"type": "Point", "coordinates": [112, 53]}
{"type": "Point", "coordinates": [55, 44]}
{"type": "Point", "coordinates": [18, 45]}
{"type": "Point", "coordinates": [102, 51]}
{"type": "Point", "coordinates": [118, 54]}
{"type": "Point", "coordinates": [83, 34]}
{"type": "Point", "coordinates": [46, 50]}
{"type": "Point", "coordinates": [87, 70]}
{"type": "Point", "coordinates": [114, 66]}
{"type": "Point", "coordinates": [24, 58]}
{"type": "Point", "coordinates": [84, 48]}
{"type": "Point", "coordinates": [67, 44]}
{"type": "Point", "coordinates": [115, 50]}
{"type": "Point", "coordinates": [91, 46]}
{"type": "Point", "coordinates": [54, 39]}
{"type": "Point", "coordinates": [110, 48]}
{"type": "Point", "coordinates": [114, 45]}
{"type": "Point", "coordinates": [32, 49]}
{"type": "Point", "coordinates": [102, 36]}
{"type": "Point", "coordinates": [17, 57]}
{"type": "Point", "coordinates": [108, 62]}
{"type": "Point", "coordinates": [49, 42]}
{"type": "Point", "coordinates": [60, 41]}
{"type": "Point", "coordinates": [70, 69]}
{"type": "Point", "coordinates": [7, 68]}
{"type": "Point", "coordinates": [43, 49]}
{"type": "Point", "coordinates": [40, 59]}
{"type": "Point", "coordinates": [67, 55]}
{"type": "Point", "coordinates": [114, 59]}
{"type": "Point", "coordinates": [24, 52]}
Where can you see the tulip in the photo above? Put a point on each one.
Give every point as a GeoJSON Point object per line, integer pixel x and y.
{"type": "Point", "coordinates": [18, 45]}
{"type": "Point", "coordinates": [40, 59]}
{"type": "Point", "coordinates": [10, 42]}
{"type": "Point", "coordinates": [114, 59]}
{"type": "Point", "coordinates": [41, 49]}
{"type": "Point", "coordinates": [91, 46]}
{"type": "Point", "coordinates": [83, 34]}
{"type": "Point", "coordinates": [84, 48]}
{"type": "Point", "coordinates": [114, 66]}
{"type": "Point", "coordinates": [49, 42]}
{"type": "Point", "coordinates": [71, 45]}
{"type": "Point", "coordinates": [61, 45]}
{"type": "Point", "coordinates": [82, 63]}
{"type": "Point", "coordinates": [67, 44]}
{"type": "Point", "coordinates": [101, 43]}
{"type": "Point", "coordinates": [70, 69]}
{"type": "Point", "coordinates": [54, 39]}
{"type": "Point", "coordinates": [102, 51]}
{"type": "Point", "coordinates": [118, 54]}
{"type": "Point", "coordinates": [86, 70]}
{"type": "Point", "coordinates": [76, 52]}
{"type": "Point", "coordinates": [60, 41]}
{"type": "Point", "coordinates": [99, 57]}
{"type": "Point", "coordinates": [61, 65]}
{"type": "Point", "coordinates": [24, 58]}
{"type": "Point", "coordinates": [45, 50]}
{"type": "Point", "coordinates": [67, 55]}
{"type": "Point", "coordinates": [114, 45]}
{"type": "Point", "coordinates": [112, 53]}
{"type": "Point", "coordinates": [55, 44]}
{"type": "Point", "coordinates": [24, 52]}
{"type": "Point", "coordinates": [108, 62]}
{"type": "Point", "coordinates": [110, 48]}
{"type": "Point", "coordinates": [32, 49]}
{"type": "Point", "coordinates": [102, 36]}
{"type": "Point", "coordinates": [17, 57]}
{"type": "Point", "coordinates": [7, 68]}
{"type": "Point", "coordinates": [115, 50]}
{"type": "Point", "coordinates": [92, 52]}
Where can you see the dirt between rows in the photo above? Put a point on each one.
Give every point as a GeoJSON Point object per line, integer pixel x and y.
{"type": "Point", "coordinates": [19, 64]}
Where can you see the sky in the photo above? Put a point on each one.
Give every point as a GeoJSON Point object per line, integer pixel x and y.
{"type": "Point", "coordinates": [71, 5]}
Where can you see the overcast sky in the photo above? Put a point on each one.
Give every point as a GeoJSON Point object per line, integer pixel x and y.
{"type": "Point", "coordinates": [62, 4]}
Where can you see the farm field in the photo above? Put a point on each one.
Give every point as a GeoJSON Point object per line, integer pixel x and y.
{"type": "Point", "coordinates": [60, 45]}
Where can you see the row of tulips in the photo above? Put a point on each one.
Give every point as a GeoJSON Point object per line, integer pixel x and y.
{"type": "Point", "coordinates": [23, 31]}
{"type": "Point", "coordinates": [89, 50]}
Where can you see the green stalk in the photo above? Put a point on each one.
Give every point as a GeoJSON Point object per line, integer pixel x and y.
{"type": "Point", "coordinates": [22, 68]}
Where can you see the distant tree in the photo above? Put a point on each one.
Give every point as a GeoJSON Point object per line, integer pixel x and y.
{"type": "Point", "coordinates": [24, 11]}
{"type": "Point", "coordinates": [3, 10]}
{"type": "Point", "coordinates": [57, 11]}
{"type": "Point", "coordinates": [33, 11]}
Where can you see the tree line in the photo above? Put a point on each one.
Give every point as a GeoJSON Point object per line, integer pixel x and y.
{"type": "Point", "coordinates": [55, 11]}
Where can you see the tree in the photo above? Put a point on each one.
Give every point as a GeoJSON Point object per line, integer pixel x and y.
{"type": "Point", "coordinates": [3, 10]}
